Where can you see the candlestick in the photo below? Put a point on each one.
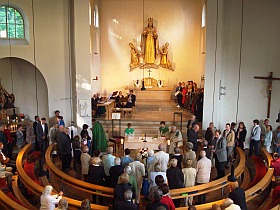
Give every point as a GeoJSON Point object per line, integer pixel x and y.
{"type": "Point", "coordinates": [145, 138]}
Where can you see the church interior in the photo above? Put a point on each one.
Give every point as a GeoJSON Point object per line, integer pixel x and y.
{"type": "Point", "coordinates": [87, 59]}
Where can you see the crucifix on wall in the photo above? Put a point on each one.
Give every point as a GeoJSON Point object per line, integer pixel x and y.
{"type": "Point", "coordinates": [269, 79]}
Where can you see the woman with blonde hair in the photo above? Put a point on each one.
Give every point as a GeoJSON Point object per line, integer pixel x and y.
{"type": "Point", "coordinates": [189, 178]}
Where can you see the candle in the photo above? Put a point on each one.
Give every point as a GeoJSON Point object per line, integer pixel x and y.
{"type": "Point", "coordinates": [121, 141]}
{"type": "Point", "coordinates": [8, 118]}
{"type": "Point", "coordinates": [168, 142]}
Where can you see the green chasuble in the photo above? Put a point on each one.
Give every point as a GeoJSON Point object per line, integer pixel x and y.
{"type": "Point", "coordinates": [163, 131]}
{"type": "Point", "coordinates": [129, 131]}
{"type": "Point", "coordinates": [99, 140]}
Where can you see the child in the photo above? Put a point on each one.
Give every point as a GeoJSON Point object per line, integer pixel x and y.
{"type": "Point", "coordinates": [268, 138]}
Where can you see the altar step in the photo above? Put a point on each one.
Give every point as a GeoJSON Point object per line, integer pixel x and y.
{"type": "Point", "coordinates": [155, 105]}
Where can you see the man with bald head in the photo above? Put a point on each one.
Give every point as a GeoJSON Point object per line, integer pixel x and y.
{"type": "Point", "coordinates": [203, 173]}
{"type": "Point", "coordinates": [162, 157]}
{"type": "Point", "coordinates": [193, 137]}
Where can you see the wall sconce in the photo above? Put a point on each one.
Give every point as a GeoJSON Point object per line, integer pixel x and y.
{"type": "Point", "coordinates": [96, 78]}
{"type": "Point", "coordinates": [168, 142]}
{"type": "Point", "coordinates": [121, 141]}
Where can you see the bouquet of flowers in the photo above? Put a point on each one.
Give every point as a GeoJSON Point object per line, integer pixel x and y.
{"type": "Point", "coordinates": [144, 152]}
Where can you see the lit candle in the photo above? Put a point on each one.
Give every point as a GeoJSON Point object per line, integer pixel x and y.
{"type": "Point", "coordinates": [121, 141]}
{"type": "Point", "coordinates": [168, 142]}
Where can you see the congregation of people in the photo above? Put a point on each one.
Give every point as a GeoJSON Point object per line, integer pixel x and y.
{"type": "Point", "coordinates": [150, 174]}
{"type": "Point", "coordinates": [190, 97]}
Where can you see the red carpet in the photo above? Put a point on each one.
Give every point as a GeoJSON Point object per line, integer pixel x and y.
{"type": "Point", "coordinates": [260, 170]}
{"type": "Point", "coordinates": [275, 197]}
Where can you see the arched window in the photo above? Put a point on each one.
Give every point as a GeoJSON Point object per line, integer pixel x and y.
{"type": "Point", "coordinates": [203, 19]}
{"type": "Point", "coordinates": [11, 23]}
{"type": "Point", "coordinates": [96, 17]}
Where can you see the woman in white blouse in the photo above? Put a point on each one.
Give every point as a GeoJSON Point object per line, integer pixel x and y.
{"type": "Point", "coordinates": [48, 201]}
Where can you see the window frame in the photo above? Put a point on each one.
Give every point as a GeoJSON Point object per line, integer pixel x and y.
{"type": "Point", "coordinates": [14, 40]}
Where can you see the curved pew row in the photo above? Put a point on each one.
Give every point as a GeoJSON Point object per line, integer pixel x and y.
{"type": "Point", "coordinates": [8, 203]}
{"type": "Point", "coordinates": [76, 183]}
{"type": "Point", "coordinates": [210, 186]}
{"type": "Point", "coordinates": [250, 193]}
{"type": "Point", "coordinates": [20, 196]}
{"type": "Point", "coordinates": [37, 189]}
{"type": "Point", "coordinates": [196, 190]}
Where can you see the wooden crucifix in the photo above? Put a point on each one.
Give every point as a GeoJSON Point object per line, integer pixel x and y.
{"type": "Point", "coordinates": [269, 79]}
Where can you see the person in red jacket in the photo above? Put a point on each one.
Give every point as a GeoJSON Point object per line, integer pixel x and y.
{"type": "Point", "coordinates": [165, 198]}
{"type": "Point", "coordinates": [275, 163]}
{"type": "Point", "coordinates": [8, 134]}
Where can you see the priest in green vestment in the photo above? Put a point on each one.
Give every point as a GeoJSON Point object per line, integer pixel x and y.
{"type": "Point", "coordinates": [99, 141]}
{"type": "Point", "coordinates": [163, 129]}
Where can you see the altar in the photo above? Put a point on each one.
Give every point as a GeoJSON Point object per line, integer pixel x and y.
{"type": "Point", "coordinates": [138, 143]}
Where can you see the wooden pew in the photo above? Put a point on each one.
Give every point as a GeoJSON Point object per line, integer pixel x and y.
{"type": "Point", "coordinates": [210, 186]}
{"type": "Point", "coordinates": [8, 203]}
{"type": "Point", "coordinates": [37, 189]}
{"type": "Point", "coordinates": [20, 196]}
{"type": "Point", "coordinates": [250, 193]}
{"type": "Point", "coordinates": [75, 183]}
{"type": "Point", "coordinates": [246, 179]}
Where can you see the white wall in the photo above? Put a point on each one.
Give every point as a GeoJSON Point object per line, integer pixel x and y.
{"type": "Point", "coordinates": [52, 49]}
{"type": "Point", "coordinates": [82, 56]}
{"type": "Point", "coordinates": [22, 84]}
{"type": "Point", "coordinates": [51, 37]}
{"type": "Point", "coordinates": [259, 55]}
{"type": "Point", "coordinates": [178, 22]}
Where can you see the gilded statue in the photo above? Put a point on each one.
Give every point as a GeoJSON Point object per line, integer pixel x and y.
{"type": "Point", "coordinates": [134, 60]}
{"type": "Point", "coordinates": [149, 44]}
{"type": "Point", "coordinates": [164, 61]}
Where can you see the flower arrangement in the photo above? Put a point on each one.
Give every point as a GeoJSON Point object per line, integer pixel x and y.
{"type": "Point", "coordinates": [144, 152]}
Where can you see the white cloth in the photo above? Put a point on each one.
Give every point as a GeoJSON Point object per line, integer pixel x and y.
{"type": "Point", "coordinates": [4, 157]}
{"type": "Point", "coordinates": [74, 129]}
{"type": "Point", "coordinates": [43, 127]}
{"type": "Point", "coordinates": [48, 202]}
{"type": "Point", "coordinates": [163, 158]}
{"type": "Point", "coordinates": [153, 178]}
{"type": "Point", "coordinates": [203, 169]}
{"type": "Point", "coordinates": [233, 207]}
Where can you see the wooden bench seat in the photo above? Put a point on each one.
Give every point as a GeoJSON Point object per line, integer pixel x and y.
{"type": "Point", "coordinates": [246, 179]}
{"type": "Point", "coordinates": [20, 196]}
{"type": "Point", "coordinates": [249, 194]}
{"type": "Point", "coordinates": [37, 189]}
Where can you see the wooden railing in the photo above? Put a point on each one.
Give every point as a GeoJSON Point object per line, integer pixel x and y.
{"type": "Point", "coordinates": [250, 193]}
{"type": "Point", "coordinates": [37, 189]}
{"type": "Point", "coordinates": [210, 186]}
{"type": "Point", "coordinates": [76, 183]}
{"type": "Point", "coordinates": [8, 203]}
